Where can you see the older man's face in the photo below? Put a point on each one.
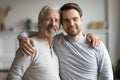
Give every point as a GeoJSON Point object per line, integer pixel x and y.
{"type": "Point", "coordinates": [50, 23]}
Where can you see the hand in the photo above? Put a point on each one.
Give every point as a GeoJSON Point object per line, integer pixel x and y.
{"type": "Point", "coordinates": [26, 46]}
{"type": "Point", "coordinates": [92, 38]}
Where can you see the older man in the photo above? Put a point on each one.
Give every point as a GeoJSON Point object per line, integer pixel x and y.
{"type": "Point", "coordinates": [44, 64]}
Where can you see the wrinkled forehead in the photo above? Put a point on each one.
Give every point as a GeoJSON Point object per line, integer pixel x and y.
{"type": "Point", "coordinates": [52, 13]}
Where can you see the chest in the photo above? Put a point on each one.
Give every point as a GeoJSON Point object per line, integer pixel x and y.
{"type": "Point", "coordinates": [45, 57]}
{"type": "Point", "coordinates": [81, 55]}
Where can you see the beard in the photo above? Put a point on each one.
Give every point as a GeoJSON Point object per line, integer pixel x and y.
{"type": "Point", "coordinates": [73, 33]}
{"type": "Point", "coordinates": [50, 35]}
{"type": "Point", "coordinates": [50, 31]}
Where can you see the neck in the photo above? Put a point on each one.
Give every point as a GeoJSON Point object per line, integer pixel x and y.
{"type": "Point", "coordinates": [49, 40]}
{"type": "Point", "coordinates": [76, 37]}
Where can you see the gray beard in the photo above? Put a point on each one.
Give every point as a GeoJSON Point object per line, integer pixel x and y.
{"type": "Point", "coordinates": [50, 35]}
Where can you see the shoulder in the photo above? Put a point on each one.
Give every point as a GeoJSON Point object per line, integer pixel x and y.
{"type": "Point", "coordinates": [38, 42]}
{"type": "Point", "coordinates": [21, 54]}
{"type": "Point", "coordinates": [58, 37]}
{"type": "Point", "coordinates": [21, 57]}
{"type": "Point", "coordinates": [102, 49]}
{"type": "Point", "coordinates": [101, 46]}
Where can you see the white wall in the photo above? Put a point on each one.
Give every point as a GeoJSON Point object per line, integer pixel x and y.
{"type": "Point", "coordinates": [22, 9]}
{"type": "Point", "coordinates": [114, 27]}
{"type": "Point", "coordinates": [94, 10]}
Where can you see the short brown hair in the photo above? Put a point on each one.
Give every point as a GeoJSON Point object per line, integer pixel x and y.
{"type": "Point", "coordinates": [69, 6]}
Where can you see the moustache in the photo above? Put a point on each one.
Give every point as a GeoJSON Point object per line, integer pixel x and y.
{"type": "Point", "coordinates": [52, 27]}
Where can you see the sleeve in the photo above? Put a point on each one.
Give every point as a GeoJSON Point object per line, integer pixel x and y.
{"type": "Point", "coordinates": [26, 34]}
{"type": "Point", "coordinates": [105, 65]}
{"type": "Point", "coordinates": [19, 66]}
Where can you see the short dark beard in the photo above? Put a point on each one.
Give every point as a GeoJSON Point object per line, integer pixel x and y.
{"type": "Point", "coordinates": [73, 35]}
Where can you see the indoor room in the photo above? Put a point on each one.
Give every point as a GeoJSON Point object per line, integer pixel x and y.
{"type": "Point", "coordinates": [100, 17]}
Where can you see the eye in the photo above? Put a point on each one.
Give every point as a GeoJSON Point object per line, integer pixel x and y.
{"type": "Point", "coordinates": [75, 19]}
{"type": "Point", "coordinates": [65, 21]}
{"type": "Point", "coordinates": [48, 19]}
{"type": "Point", "coordinates": [57, 20]}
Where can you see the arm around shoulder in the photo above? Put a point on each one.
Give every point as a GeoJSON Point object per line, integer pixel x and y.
{"type": "Point", "coordinates": [26, 34]}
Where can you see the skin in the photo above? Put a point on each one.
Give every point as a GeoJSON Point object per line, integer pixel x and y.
{"type": "Point", "coordinates": [71, 22]}
{"type": "Point", "coordinates": [48, 28]}
{"type": "Point", "coordinates": [49, 25]}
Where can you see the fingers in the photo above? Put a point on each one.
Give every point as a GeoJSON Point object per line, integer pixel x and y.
{"type": "Point", "coordinates": [32, 42]}
{"type": "Point", "coordinates": [95, 41]}
{"type": "Point", "coordinates": [26, 46]}
{"type": "Point", "coordinates": [98, 41]}
{"type": "Point", "coordinates": [89, 40]}
{"type": "Point", "coordinates": [24, 52]}
{"type": "Point", "coordinates": [28, 49]}
{"type": "Point", "coordinates": [89, 37]}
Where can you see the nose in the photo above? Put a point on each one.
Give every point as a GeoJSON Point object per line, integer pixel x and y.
{"type": "Point", "coordinates": [71, 23]}
{"type": "Point", "coordinates": [52, 22]}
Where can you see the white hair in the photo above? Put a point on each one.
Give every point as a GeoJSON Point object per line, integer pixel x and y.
{"type": "Point", "coordinates": [45, 8]}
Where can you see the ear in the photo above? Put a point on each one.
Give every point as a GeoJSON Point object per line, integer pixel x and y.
{"type": "Point", "coordinates": [39, 23]}
{"type": "Point", "coordinates": [81, 19]}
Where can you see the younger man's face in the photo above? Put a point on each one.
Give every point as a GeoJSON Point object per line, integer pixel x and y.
{"type": "Point", "coordinates": [71, 22]}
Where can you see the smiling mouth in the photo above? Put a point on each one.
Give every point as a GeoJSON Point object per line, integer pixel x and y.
{"type": "Point", "coordinates": [52, 29]}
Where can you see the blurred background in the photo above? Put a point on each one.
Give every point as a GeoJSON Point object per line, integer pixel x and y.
{"type": "Point", "coordinates": [101, 17]}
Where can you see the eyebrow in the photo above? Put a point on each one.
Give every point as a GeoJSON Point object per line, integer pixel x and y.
{"type": "Point", "coordinates": [69, 18]}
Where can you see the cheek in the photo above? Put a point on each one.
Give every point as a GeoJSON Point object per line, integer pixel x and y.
{"type": "Point", "coordinates": [57, 25]}
{"type": "Point", "coordinates": [78, 24]}
{"type": "Point", "coordinates": [64, 27]}
{"type": "Point", "coordinates": [46, 24]}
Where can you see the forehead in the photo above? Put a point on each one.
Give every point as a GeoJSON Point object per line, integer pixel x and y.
{"type": "Point", "coordinates": [52, 13]}
{"type": "Point", "coordinates": [70, 13]}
